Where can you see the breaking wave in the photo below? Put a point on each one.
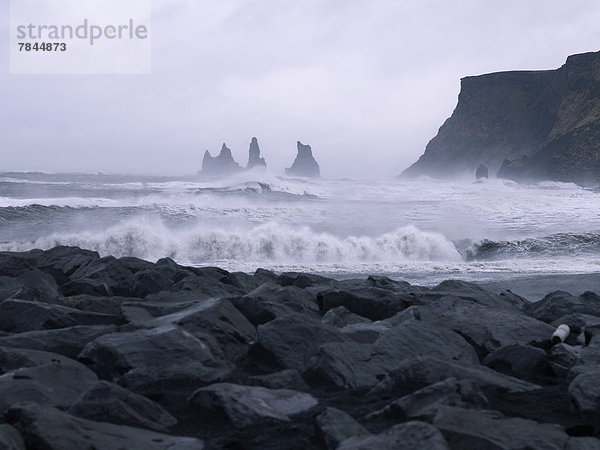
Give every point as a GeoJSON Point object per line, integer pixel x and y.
{"type": "Point", "coordinates": [555, 245]}
{"type": "Point", "coordinates": [268, 243]}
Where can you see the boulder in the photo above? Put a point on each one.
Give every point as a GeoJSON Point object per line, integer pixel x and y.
{"type": "Point", "coordinates": [410, 436]}
{"type": "Point", "coordinates": [65, 341]}
{"type": "Point", "coordinates": [217, 318]}
{"type": "Point", "coordinates": [563, 357]}
{"type": "Point", "coordinates": [52, 384]}
{"type": "Point", "coordinates": [583, 443]}
{"type": "Point", "coordinates": [481, 172]}
{"type": "Point", "coordinates": [248, 405]}
{"type": "Point", "coordinates": [305, 164]}
{"type": "Point", "coordinates": [10, 438]}
{"type": "Point", "coordinates": [371, 303]}
{"type": "Point", "coordinates": [473, 293]}
{"type": "Point", "coordinates": [108, 402]}
{"type": "Point", "coordinates": [493, 328]}
{"type": "Point", "coordinates": [559, 303]}
{"type": "Point", "coordinates": [352, 365]}
{"type": "Point", "coordinates": [31, 284]}
{"type": "Point", "coordinates": [290, 341]}
{"type": "Point", "coordinates": [254, 159]}
{"type": "Point", "coordinates": [425, 403]}
{"type": "Point", "coordinates": [48, 428]}
{"type": "Point", "coordinates": [16, 358]}
{"type": "Point", "coordinates": [159, 277]}
{"type": "Point", "coordinates": [270, 301]}
{"type": "Point", "coordinates": [17, 316]}
{"type": "Point", "coordinates": [335, 426]}
{"type": "Point", "coordinates": [427, 370]}
{"type": "Point", "coordinates": [101, 277]}
{"type": "Point", "coordinates": [220, 165]}
{"type": "Point", "coordinates": [159, 362]}
{"type": "Point", "coordinates": [340, 317]}
{"type": "Point", "coordinates": [13, 264]}
{"type": "Point", "coordinates": [284, 379]}
{"type": "Point", "coordinates": [584, 391]}
{"type": "Point", "coordinates": [96, 304]}
{"type": "Point", "coordinates": [467, 428]}
{"type": "Point", "coordinates": [522, 361]}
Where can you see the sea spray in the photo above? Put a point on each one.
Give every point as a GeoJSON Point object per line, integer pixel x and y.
{"type": "Point", "coordinates": [271, 242]}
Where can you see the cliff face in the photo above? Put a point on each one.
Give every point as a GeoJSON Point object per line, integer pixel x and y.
{"type": "Point", "coordinates": [524, 125]}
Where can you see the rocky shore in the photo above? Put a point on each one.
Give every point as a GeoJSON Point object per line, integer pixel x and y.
{"type": "Point", "coordinates": [113, 353]}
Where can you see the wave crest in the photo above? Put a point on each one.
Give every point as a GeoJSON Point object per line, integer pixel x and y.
{"type": "Point", "coordinates": [268, 243]}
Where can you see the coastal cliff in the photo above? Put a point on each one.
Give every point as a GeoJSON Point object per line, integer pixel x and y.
{"type": "Point", "coordinates": [523, 125]}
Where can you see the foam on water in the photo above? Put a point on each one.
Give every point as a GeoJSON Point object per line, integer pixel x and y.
{"type": "Point", "coordinates": [266, 243]}
{"type": "Point", "coordinates": [257, 219]}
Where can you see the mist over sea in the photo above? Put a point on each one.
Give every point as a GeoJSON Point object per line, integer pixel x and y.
{"type": "Point", "coordinates": [420, 231]}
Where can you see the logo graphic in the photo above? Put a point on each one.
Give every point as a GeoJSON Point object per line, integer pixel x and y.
{"type": "Point", "coordinates": [80, 36]}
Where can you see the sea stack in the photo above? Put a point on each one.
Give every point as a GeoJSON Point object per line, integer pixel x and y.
{"type": "Point", "coordinates": [481, 172]}
{"type": "Point", "coordinates": [224, 164]}
{"type": "Point", "coordinates": [305, 164]}
{"type": "Point", "coordinates": [254, 159]}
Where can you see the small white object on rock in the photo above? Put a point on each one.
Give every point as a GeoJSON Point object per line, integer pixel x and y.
{"type": "Point", "coordinates": [561, 334]}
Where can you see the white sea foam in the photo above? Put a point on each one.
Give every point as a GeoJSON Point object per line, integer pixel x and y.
{"type": "Point", "coordinates": [266, 243]}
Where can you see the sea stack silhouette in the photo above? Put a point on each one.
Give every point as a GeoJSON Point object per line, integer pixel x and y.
{"type": "Point", "coordinates": [305, 164]}
{"type": "Point", "coordinates": [254, 159]}
{"type": "Point", "coordinates": [223, 164]}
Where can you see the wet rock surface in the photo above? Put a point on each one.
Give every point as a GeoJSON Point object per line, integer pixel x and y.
{"type": "Point", "coordinates": [123, 353]}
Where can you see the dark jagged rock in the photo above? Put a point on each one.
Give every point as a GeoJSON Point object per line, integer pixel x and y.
{"type": "Point", "coordinates": [466, 428]}
{"type": "Point", "coordinates": [17, 316]}
{"type": "Point", "coordinates": [481, 172]}
{"type": "Point", "coordinates": [254, 159]}
{"type": "Point", "coordinates": [352, 365]}
{"type": "Point", "coordinates": [425, 403]}
{"type": "Point", "coordinates": [270, 301]}
{"type": "Point", "coordinates": [64, 341]}
{"type": "Point", "coordinates": [47, 378]}
{"type": "Point", "coordinates": [525, 125]}
{"type": "Point", "coordinates": [284, 361]}
{"type": "Point", "coordinates": [305, 164]}
{"type": "Point", "coordinates": [31, 284]}
{"type": "Point", "coordinates": [215, 319]}
{"type": "Point", "coordinates": [285, 379]}
{"type": "Point", "coordinates": [335, 426]}
{"type": "Point", "coordinates": [558, 304]}
{"type": "Point", "coordinates": [108, 402]}
{"type": "Point", "coordinates": [10, 438]}
{"type": "Point", "coordinates": [49, 428]}
{"type": "Point", "coordinates": [428, 370]}
{"type": "Point", "coordinates": [290, 341]}
{"type": "Point", "coordinates": [492, 329]}
{"type": "Point", "coordinates": [246, 405]}
{"type": "Point", "coordinates": [585, 391]}
{"type": "Point", "coordinates": [522, 361]}
{"type": "Point", "coordinates": [409, 435]}
{"type": "Point", "coordinates": [372, 303]}
{"type": "Point", "coordinates": [156, 361]}
{"type": "Point", "coordinates": [220, 165]}
{"type": "Point", "coordinates": [51, 384]}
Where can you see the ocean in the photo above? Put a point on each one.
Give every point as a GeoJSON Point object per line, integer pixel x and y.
{"type": "Point", "coordinates": [422, 231]}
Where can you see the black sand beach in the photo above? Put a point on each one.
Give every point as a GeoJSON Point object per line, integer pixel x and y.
{"type": "Point", "coordinates": [122, 353]}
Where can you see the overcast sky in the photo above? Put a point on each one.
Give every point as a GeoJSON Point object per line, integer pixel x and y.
{"type": "Point", "coordinates": [366, 83]}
